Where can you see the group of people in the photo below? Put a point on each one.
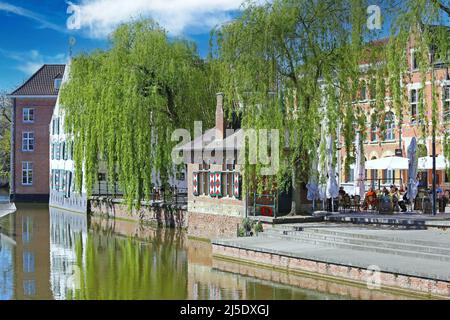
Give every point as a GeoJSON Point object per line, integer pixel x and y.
{"type": "Point", "coordinates": [398, 198]}
{"type": "Point", "coordinates": [394, 197]}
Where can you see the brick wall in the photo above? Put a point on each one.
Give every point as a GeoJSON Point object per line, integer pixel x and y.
{"type": "Point", "coordinates": [43, 109]}
{"type": "Point", "coordinates": [210, 226]}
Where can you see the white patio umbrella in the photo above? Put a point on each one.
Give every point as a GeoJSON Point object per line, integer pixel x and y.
{"type": "Point", "coordinates": [313, 183]}
{"type": "Point", "coordinates": [388, 163]}
{"type": "Point", "coordinates": [332, 185]}
{"type": "Point", "coordinates": [412, 171]}
{"type": "Point", "coordinates": [426, 163]}
{"type": "Point", "coordinates": [360, 170]}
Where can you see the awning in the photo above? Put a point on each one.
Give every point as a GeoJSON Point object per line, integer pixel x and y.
{"type": "Point", "coordinates": [388, 163]}
{"type": "Point", "coordinates": [426, 163]}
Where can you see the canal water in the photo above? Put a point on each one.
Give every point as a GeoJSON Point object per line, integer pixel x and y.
{"type": "Point", "coordinates": [53, 254]}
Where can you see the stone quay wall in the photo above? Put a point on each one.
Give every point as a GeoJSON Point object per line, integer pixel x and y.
{"type": "Point", "coordinates": [152, 213]}
{"type": "Point", "coordinates": [198, 224]}
{"type": "Point", "coordinates": [348, 273]}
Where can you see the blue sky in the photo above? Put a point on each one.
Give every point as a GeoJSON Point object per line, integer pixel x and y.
{"type": "Point", "coordinates": [33, 32]}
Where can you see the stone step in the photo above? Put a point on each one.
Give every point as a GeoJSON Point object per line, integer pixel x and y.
{"type": "Point", "coordinates": [365, 236]}
{"type": "Point", "coordinates": [382, 220]}
{"type": "Point", "coordinates": [348, 243]}
{"type": "Point", "coordinates": [431, 247]}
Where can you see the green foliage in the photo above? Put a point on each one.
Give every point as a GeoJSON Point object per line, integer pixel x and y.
{"type": "Point", "coordinates": [123, 104]}
{"type": "Point", "coordinates": [250, 227]}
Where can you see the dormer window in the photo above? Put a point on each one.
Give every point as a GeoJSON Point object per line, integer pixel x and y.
{"type": "Point", "coordinates": [58, 84]}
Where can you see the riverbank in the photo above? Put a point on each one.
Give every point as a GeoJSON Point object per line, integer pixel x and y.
{"type": "Point", "coordinates": [412, 260]}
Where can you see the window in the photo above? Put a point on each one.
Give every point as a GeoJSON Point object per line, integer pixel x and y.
{"type": "Point", "coordinates": [204, 179]}
{"type": "Point", "coordinates": [27, 173]}
{"type": "Point", "coordinates": [446, 103]}
{"type": "Point", "coordinates": [373, 133]}
{"type": "Point", "coordinates": [28, 141]}
{"type": "Point", "coordinates": [388, 176]}
{"type": "Point", "coordinates": [55, 126]}
{"type": "Point", "coordinates": [58, 84]}
{"type": "Point", "coordinates": [363, 91]}
{"type": "Point", "coordinates": [414, 103]}
{"type": "Point", "coordinates": [28, 115]}
{"type": "Point", "coordinates": [227, 180]}
{"type": "Point", "coordinates": [390, 126]}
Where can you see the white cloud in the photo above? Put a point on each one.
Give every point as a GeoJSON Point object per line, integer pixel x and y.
{"type": "Point", "coordinates": [29, 62]}
{"type": "Point", "coordinates": [100, 17]}
{"type": "Point", "coordinates": [43, 22]}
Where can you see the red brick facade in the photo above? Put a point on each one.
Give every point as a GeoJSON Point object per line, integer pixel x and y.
{"type": "Point", "coordinates": [39, 157]}
{"type": "Point", "coordinates": [386, 146]}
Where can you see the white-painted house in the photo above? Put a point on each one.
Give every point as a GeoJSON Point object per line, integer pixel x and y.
{"type": "Point", "coordinates": [62, 169]}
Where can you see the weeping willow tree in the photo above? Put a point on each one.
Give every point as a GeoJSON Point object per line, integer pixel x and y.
{"type": "Point", "coordinates": [296, 65]}
{"type": "Point", "coordinates": [290, 64]}
{"type": "Point", "coordinates": [122, 105]}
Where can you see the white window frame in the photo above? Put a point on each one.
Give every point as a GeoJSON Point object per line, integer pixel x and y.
{"type": "Point", "coordinates": [28, 141]}
{"type": "Point", "coordinates": [57, 84]}
{"type": "Point", "coordinates": [26, 115]}
{"type": "Point", "coordinates": [390, 127]}
{"type": "Point", "coordinates": [27, 166]}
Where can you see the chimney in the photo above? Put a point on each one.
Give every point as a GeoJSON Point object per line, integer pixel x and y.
{"type": "Point", "coordinates": [220, 119]}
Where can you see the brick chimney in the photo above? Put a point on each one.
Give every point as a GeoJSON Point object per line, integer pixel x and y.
{"type": "Point", "coordinates": [220, 119]}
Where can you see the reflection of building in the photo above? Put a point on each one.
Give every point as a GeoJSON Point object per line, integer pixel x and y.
{"type": "Point", "coordinates": [204, 283]}
{"type": "Point", "coordinates": [66, 230]}
{"type": "Point", "coordinates": [397, 140]}
{"type": "Point", "coordinates": [7, 246]}
{"type": "Point", "coordinates": [32, 259]}
{"type": "Point", "coordinates": [33, 104]}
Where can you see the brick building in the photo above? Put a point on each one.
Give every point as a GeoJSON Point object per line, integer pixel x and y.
{"type": "Point", "coordinates": [397, 140]}
{"type": "Point", "coordinates": [33, 104]}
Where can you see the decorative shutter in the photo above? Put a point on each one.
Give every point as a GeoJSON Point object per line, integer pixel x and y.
{"type": "Point", "coordinates": [236, 190]}
{"type": "Point", "coordinates": [212, 186]}
{"type": "Point", "coordinates": [218, 183]}
{"type": "Point", "coordinates": [195, 184]}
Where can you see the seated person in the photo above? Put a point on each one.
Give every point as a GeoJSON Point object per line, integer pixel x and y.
{"type": "Point", "coordinates": [370, 199]}
{"type": "Point", "coordinates": [342, 192]}
{"type": "Point", "coordinates": [399, 199]}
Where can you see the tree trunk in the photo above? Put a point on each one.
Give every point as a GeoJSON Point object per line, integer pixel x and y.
{"type": "Point", "coordinates": [296, 191]}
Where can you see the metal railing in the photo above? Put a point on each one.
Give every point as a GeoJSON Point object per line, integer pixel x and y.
{"type": "Point", "coordinates": [174, 196]}
{"type": "Point", "coordinates": [265, 205]}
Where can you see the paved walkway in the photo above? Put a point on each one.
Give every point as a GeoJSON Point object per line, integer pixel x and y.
{"type": "Point", "coordinates": [389, 262]}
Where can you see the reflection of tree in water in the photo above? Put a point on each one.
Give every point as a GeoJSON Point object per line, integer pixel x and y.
{"type": "Point", "coordinates": [115, 267]}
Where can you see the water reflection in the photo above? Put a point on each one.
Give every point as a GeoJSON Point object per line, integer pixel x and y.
{"type": "Point", "coordinates": [63, 255]}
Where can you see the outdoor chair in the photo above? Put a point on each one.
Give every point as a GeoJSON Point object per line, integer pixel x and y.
{"type": "Point", "coordinates": [357, 203]}
{"type": "Point", "coordinates": [347, 202]}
